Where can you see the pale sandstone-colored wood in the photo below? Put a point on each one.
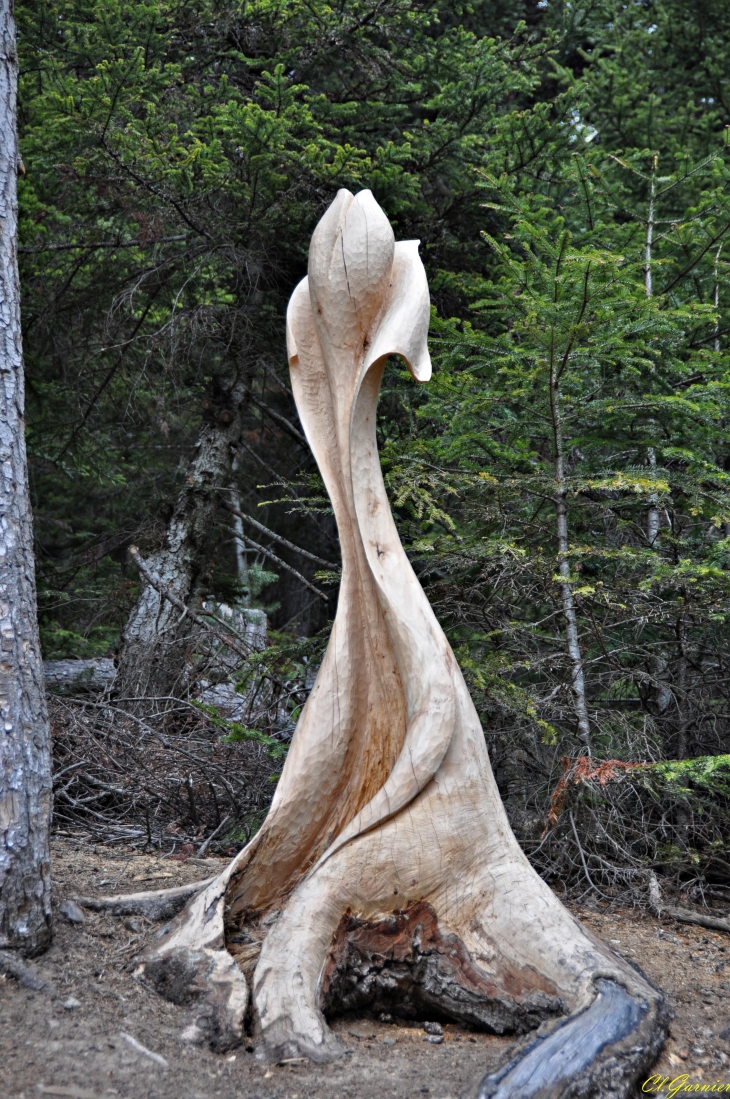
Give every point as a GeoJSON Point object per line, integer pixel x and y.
{"type": "Point", "coordinates": [387, 803]}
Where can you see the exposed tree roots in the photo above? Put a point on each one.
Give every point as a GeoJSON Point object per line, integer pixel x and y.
{"type": "Point", "coordinates": [599, 1052]}
{"type": "Point", "coordinates": [159, 904]}
{"type": "Point", "coordinates": [25, 973]}
{"type": "Point", "coordinates": [404, 964]}
{"type": "Point", "coordinates": [386, 872]}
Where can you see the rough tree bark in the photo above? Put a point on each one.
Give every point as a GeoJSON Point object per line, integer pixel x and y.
{"type": "Point", "coordinates": [572, 636]}
{"type": "Point", "coordinates": [156, 639]}
{"type": "Point", "coordinates": [653, 518]}
{"type": "Point", "coordinates": [25, 763]}
{"type": "Point", "coordinates": [386, 875]}
{"type": "Point", "coordinates": [239, 542]}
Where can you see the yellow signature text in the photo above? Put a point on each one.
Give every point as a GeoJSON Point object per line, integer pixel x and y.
{"type": "Point", "coordinates": [664, 1085]}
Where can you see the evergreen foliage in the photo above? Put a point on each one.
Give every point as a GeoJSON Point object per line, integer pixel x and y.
{"type": "Point", "coordinates": [566, 168]}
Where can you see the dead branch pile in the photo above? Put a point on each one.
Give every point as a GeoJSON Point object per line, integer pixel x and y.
{"type": "Point", "coordinates": [172, 779]}
{"type": "Point", "coordinates": [609, 826]}
{"type": "Point", "coordinates": [181, 777]}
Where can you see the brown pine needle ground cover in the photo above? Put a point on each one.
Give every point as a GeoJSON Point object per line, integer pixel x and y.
{"type": "Point", "coordinates": [84, 1051]}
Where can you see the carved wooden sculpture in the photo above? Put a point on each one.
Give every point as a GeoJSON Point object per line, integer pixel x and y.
{"type": "Point", "coordinates": [386, 875]}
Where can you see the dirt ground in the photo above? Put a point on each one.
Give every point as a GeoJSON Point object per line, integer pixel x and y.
{"type": "Point", "coordinates": [74, 1044]}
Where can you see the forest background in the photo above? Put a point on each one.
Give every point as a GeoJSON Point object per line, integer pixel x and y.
{"type": "Point", "coordinates": [562, 485]}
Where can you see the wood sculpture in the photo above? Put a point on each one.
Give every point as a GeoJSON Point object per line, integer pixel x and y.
{"type": "Point", "coordinates": [386, 876]}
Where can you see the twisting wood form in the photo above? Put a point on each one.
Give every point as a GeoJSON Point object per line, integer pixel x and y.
{"type": "Point", "coordinates": [386, 874]}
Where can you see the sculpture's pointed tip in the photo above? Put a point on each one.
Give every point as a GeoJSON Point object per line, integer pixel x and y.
{"type": "Point", "coordinates": [421, 370]}
{"type": "Point", "coordinates": [403, 326]}
{"type": "Point", "coordinates": [350, 259]}
{"type": "Point", "coordinates": [334, 215]}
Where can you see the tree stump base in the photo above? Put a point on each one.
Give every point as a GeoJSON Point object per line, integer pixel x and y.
{"type": "Point", "coordinates": [386, 875]}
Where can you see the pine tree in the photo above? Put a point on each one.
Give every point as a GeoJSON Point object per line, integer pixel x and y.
{"type": "Point", "coordinates": [25, 763]}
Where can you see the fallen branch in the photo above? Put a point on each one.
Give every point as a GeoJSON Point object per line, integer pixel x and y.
{"type": "Point", "coordinates": [281, 421]}
{"type": "Point", "coordinates": [176, 601]}
{"type": "Point", "coordinates": [583, 769]}
{"type": "Point", "coordinates": [589, 879]}
{"type": "Point", "coordinates": [150, 1054]}
{"type": "Point", "coordinates": [684, 915]}
{"type": "Point", "coordinates": [133, 781]}
{"type": "Point", "coordinates": [158, 904]}
{"type": "Point", "coordinates": [24, 973]}
{"type": "Point", "coordinates": [282, 564]}
{"type": "Point", "coordinates": [204, 846]}
{"type": "Point", "coordinates": [278, 538]}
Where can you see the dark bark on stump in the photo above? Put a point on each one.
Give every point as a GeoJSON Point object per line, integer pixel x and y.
{"type": "Point", "coordinates": [405, 966]}
{"type": "Point", "coordinates": [597, 1054]}
{"type": "Point", "coordinates": [25, 762]}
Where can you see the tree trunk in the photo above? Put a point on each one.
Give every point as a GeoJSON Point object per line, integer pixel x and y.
{"type": "Point", "coordinates": [572, 637]}
{"type": "Point", "coordinates": [386, 875]}
{"type": "Point", "coordinates": [156, 640]}
{"type": "Point", "coordinates": [653, 518]}
{"type": "Point", "coordinates": [25, 761]}
{"type": "Point", "coordinates": [716, 299]}
{"type": "Point", "coordinates": [239, 542]}
{"type": "Point", "coordinates": [681, 697]}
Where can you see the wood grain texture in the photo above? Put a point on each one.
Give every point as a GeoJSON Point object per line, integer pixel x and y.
{"type": "Point", "coordinates": [387, 815]}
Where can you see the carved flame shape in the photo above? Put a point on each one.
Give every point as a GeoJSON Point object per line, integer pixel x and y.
{"type": "Point", "coordinates": [366, 298]}
{"type": "Point", "coordinates": [389, 753]}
